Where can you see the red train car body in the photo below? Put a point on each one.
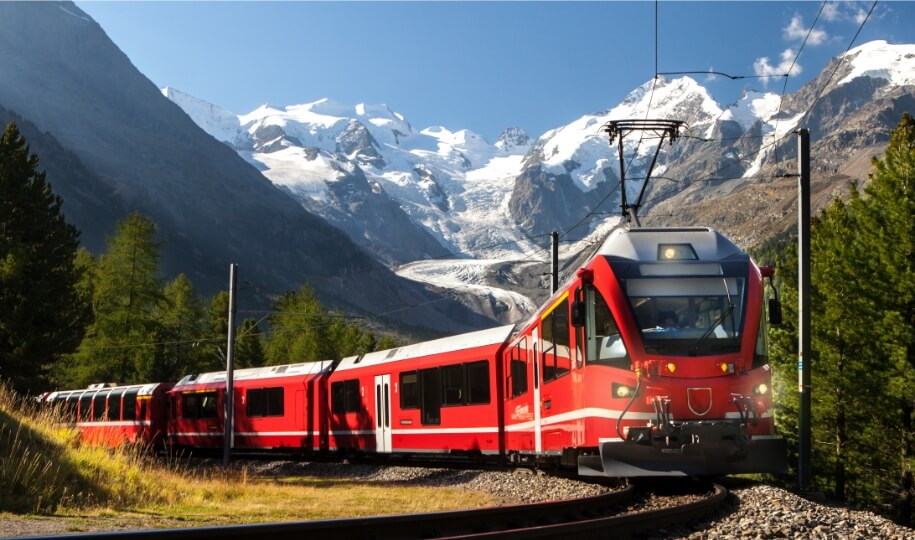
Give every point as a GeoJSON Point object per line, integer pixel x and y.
{"type": "Point", "coordinates": [115, 415]}
{"type": "Point", "coordinates": [276, 407]}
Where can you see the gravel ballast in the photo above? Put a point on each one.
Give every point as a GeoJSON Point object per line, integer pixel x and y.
{"type": "Point", "coordinates": [753, 510]}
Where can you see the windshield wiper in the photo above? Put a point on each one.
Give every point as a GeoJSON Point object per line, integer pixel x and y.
{"type": "Point", "coordinates": [727, 311]}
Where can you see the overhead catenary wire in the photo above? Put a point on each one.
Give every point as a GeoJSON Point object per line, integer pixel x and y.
{"type": "Point", "coordinates": [781, 99]}
{"type": "Point", "coordinates": [839, 63]}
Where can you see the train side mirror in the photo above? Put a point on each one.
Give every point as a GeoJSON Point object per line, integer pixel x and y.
{"type": "Point", "coordinates": [775, 312]}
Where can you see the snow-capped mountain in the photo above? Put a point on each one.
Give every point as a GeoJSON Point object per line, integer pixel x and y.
{"type": "Point", "coordinates": [412, 195]}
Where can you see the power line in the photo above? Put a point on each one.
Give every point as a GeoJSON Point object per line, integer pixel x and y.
{"type": "Point", "coordinates": [838, 64]}
{"type": "Point", "coordinates": [732, 77]}
{"type": "Point", "coordinates": [781, 99]}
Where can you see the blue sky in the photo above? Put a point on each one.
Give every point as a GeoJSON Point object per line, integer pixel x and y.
{"type": "Point", "coordinates": [483, 66]}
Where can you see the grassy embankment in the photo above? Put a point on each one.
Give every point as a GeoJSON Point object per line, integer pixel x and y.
{"type": "Point", "coordinates": [46, 469]}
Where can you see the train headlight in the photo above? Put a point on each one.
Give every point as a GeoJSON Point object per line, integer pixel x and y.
{"type": "Point", "coordinates": [761, 389]}
{"type": "Point", "coordinates": [676, 252]}
{"type": "Point", "coordinates": [622, 391]}
{"type": "Point", "coordinates": [671, 367]}
{"type": "Point", "coordinates": [726, 368]}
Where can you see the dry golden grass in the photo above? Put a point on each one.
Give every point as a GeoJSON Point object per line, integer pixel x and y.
{"type": "Point", "coordinates": [47, 469]}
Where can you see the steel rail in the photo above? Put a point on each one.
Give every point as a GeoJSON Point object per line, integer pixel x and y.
{"type": "Point", "coordinates": [620, 526]}
{"type": "Point", "coordinates": [405, 526]}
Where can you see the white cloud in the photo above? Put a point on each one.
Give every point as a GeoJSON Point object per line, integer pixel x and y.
{"type": "Point", "coordinates": [763, 68]}
{"type": "Point", "coordinates": [797, 31]}
{"type": "Point", "coordinates": [860, 16]}
{"type": "Point", "coordinates": [831, 11]}
{"type": "Point", "coordinates": [711, 76]}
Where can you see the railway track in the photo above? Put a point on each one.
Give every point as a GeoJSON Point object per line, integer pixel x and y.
{"type": "Point", "coordinates": [601, 516]}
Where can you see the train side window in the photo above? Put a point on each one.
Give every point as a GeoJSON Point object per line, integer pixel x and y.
{"type": "Point", "coordinates": [85, 407]}
{"type": "Point", "coordinates": [188, 405]}
{"type": "Point", "coordinates": [453, 385]}
{"type": "Point", "coordinates": [264, 402]}
{"type": "Point", "coordinates": [99, 407]}
{"type": "Point", "coordinates": [761, 355]}
{"type": "Point", "coordinates": [478, 382]}
{"type": "Point", "coordinates": [198, 405]}
{"type": "Point", "coordinates": [518, 369]}
{"type": "Point", "coordinates": [129, 407]}
{"type": "Point", "coordinates": [556, 356]}
{"type": "Point", "coordinates": [344, 397]}
{"type": "Point", "coordinates": [409, 390]}
{"type": "Point", "coordinates": [144, 408]}
{"type": "Point", "coordinates": [71, 409]}
{"type": "Point", "coordinates": [602, 336]}
{"type": "Point", "coordinates": [207, 405]}
{"type": "Point", "coordinates": [114, 404]}
{"type": "Point", "coordinates": [430, 382]}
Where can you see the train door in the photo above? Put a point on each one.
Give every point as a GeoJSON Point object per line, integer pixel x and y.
{"type": "Point", "coordinates": [535, 338]}
{"type": "Point", "coordinates": [383, 413]}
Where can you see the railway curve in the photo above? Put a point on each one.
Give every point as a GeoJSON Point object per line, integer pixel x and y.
{"type": "Point", "coordinates": [589, 517]}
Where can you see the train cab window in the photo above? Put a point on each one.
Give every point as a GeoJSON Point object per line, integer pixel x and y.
{"type": "Point", "coordinates": [556, 357]}
{"type": "Point", "coordinates": [264, 402]}
{"type": "Point", "coordinates": [603, 342]}
{"type": "Point", "coordinates": [453, 385]}
{"type": "Point", "coordinates": [477, 382]}
{"type": "Point", "coordinates": [344, 397]}
{"type": "Point", "coordinates": [687, 309]}
{"type": "Point", "coordinates": [518, 369]}
{"type": "Point", "coordinates": [129, 407]}
{"type": "Point", "coordinates": [430, 382]}
{"type": "Point", "coordinates": [409, 390]}
{"type": "Point", "coordinates": [114, 404]}
{"type": "Point", "coordinates": [198, 405]}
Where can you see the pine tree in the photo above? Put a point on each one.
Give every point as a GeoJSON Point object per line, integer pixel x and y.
{"type": "Point", "coordinates": [41, 313]}
{"type": "Point", "coordinates": [847, 368]}
{"type": "Point", "coordinates": [120, 343]}
{"type": "Point", "coordinates": [249, 348]}
{"type": "Point", "coordinates": [888, 240]}
{"type": "Point", "coordinates": [182, 324]}
{"type": "Point", "coordinates": [300, 329]}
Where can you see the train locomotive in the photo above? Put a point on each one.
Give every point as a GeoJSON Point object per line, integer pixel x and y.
{"type": "Point", "coordinates": [652, 360]}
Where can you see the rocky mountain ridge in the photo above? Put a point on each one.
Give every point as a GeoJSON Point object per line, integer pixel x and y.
{"type": "Point", "coordinates": [498, 201]}
{"type": "Point", "coordinates": [130, 149]}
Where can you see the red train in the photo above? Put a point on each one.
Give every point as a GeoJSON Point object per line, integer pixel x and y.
{"type": "Point", "coordinates": [115, 415]}
{"type": "Point", "coordinates": [652, 360]}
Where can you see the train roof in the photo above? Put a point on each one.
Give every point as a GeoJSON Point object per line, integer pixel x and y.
{"type": "Point", "coordinates": [142, 390]}
{"type": "Point", "coordinates": [266, 372]}
{"type": "Point", "coordinates": [471, 340]}
{"type": "Point", "coordinates": [643, 244]}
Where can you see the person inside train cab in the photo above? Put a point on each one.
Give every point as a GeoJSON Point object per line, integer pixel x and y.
{"type": "Point", "coordinates": [667, 320]}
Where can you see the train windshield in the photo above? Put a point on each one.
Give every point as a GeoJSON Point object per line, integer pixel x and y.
{"type": "Point", "coordinates": [688, 309]}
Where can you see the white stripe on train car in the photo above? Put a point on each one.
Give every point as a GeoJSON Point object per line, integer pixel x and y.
{"type": "Point", "coordinates": [580, 414]}
{"type": "Point", "coordinates": [274, 433]}
{"type": "Point", "coordinates": [113, 423]}
{"type": "Point", "coordinates": [444, 431]}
